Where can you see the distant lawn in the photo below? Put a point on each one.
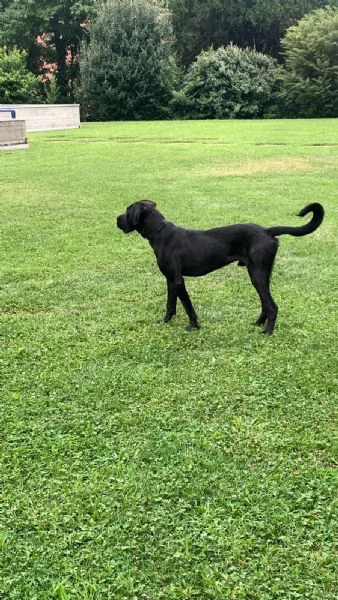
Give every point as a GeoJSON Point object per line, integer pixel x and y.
{"type": "Point", "coordinates": [140, 461]}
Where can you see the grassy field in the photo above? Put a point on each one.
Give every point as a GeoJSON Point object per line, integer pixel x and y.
{"type": "Point", "coordinates": [140, 461]}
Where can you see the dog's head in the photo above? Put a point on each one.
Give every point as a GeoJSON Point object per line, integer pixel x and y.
{"type": "Point", "coordinates": [134, 215]}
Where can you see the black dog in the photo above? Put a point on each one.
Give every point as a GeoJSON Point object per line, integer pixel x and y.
{"type": "Point", "coordinates": [188, 252]}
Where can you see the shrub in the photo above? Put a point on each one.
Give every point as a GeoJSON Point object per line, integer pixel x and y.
{"type": "Point", "coordinates": [17, 84]}
{"type": "Point", "coordinates": [309, 81]}
{"type": "Point", "coordinates": [227, 83]}
{"type": "Point", "coordinates": [128, 70]}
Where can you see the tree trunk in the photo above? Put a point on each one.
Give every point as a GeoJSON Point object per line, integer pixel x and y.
{"type": "Point", "coordinates": [61, 73]}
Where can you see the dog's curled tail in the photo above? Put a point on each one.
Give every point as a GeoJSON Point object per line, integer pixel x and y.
{"type": "Point", "coordinates": [317, 218]}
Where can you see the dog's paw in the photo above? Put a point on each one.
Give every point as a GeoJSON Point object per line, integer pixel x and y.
{"type": "Point", "coordinates": [192, 327]}
{"type": "Point", "coordinates": [162, 321]}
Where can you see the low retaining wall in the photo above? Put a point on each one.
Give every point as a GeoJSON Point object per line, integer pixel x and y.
{"type": "Point", "coordinates": [12, 133]}
{"type": "Point", "coordinates": [44, 117]}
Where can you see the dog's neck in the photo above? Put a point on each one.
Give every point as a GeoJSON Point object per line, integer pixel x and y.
{"type": "Point", "coordinates": [152, 225]}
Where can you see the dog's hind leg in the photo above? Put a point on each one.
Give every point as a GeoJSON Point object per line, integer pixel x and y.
{"type": "Point", "coordinates": [262, 318]}
{"type": "Point", "coordinates": [260, 281]}
{"type": "Point", "coordinates": [260, 269]}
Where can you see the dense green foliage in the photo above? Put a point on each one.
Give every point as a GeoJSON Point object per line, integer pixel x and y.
{"type": "Point", "coordinates": [17, 84]}
{"type": "Point", "coordinates": [135, 54]}
{"type": "Point", "coordinates": [310, 78]}
{"type": "Point", "coordinates": [4, 4]}
{"type": "Point", "coordinates": [257, 24]}
{"type": "Point", "coordinates": [228, 83]}
{"type": "Point", "coordinates": [128, 70]}
{"type": "Point", "coordinates": [63, 23]}
{"type": "Point", "coordinates": [140, 461]}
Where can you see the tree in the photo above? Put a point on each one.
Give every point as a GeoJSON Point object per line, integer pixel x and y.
{"type": "Point", "coordinates": [228, 83]}
{"type": "Point", "coordinates": [61, 22]}
{"type": "Point", "coordinates": [4, 4]}
{"type": "Point", "coordinates": [309, 83]}
{"type": "Point", "coordinates": [128, 69]}
{"type": "Point", "coordinates": [17, 84]}
{"type": "Point", "coordinates": [256, 24]}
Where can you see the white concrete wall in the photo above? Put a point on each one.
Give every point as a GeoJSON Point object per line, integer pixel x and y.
{"type": "Point", "coordinates": [12, 132]}
{"type": "Point", "coordinates": [43, 117]}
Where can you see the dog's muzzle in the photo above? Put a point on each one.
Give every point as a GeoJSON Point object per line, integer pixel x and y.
{"type": "Point", "coordinates": [122, 224]}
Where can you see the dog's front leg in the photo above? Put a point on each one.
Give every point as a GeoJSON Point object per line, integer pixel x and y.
{"type": "Point", "coordinates": [187, 304]}
{"type": "Point", "coordinates": [171, 302]}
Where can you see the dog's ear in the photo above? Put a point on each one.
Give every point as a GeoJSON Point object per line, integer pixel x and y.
{"type": "Point", "coordinates": [148, 203]}
{"type": "Point", "coordinates": [137, 212]}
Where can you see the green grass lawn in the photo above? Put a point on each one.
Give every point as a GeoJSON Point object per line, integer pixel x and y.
{"type": "Point", "coordinates": [140, 461]}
